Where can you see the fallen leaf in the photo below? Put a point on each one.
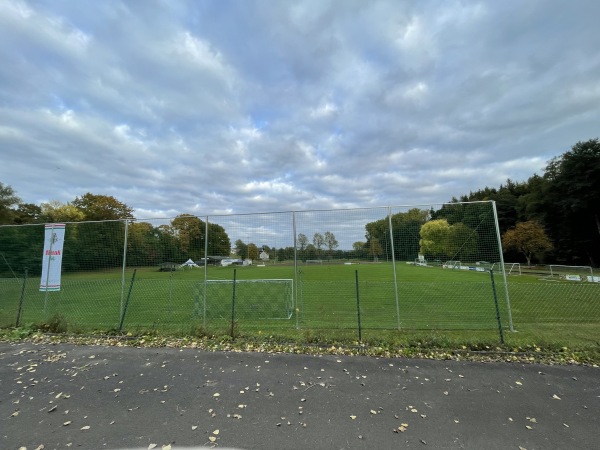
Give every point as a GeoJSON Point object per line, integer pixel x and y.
{"type": "Point", "coordinates": [528, 427]}
{"type": "Point", "coordinates": [373, 411]}
{"type": "Point", "coordinates": [216, 394]}
{"type": "Point", "coordinates": [519, 383]}
{"type": "Point", "coordinates": [166, 447]}
{"type": "Point", "coordinates": [556, 397]}
{"type": "Point", "coordinates": [353, 417]}
{"type": "Point", "coordinates": [212, 438]}
{"type": "Point", "coordinates": [87, 427]}
{"type": "Point", "coordinates": [151, 446]}
{"type": "Point", "coordinates": [194, 427]}
{"type": "Point", "coordinates": [216, 432]}
{"type": "Point", "coordinates": [68, 422]}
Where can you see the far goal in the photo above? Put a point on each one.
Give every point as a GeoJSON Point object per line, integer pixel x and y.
{"type": "Point", "coordinates": [571, 273]}
{"type": "Point", "coordinates": [260, 299]}
{"type": "Point", "coordinates": [314, 261]}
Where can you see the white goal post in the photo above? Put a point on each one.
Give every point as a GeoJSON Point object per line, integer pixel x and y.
{"type": "Point", "coordinates": [571, 273]}
{"type": "Point", "coordinates": [509, 268]}
{"type": "Point", "coordinates": [254, 299]}
{"type": "Point", "coordinates": [314, 261]}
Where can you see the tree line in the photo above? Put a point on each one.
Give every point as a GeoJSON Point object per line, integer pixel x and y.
{"type": "Point", "coordinates": [553, 217]}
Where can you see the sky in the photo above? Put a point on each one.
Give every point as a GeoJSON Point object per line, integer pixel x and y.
{"type": "Point", "coordinates": [228, 107]}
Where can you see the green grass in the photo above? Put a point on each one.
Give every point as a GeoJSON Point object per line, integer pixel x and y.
{"type": "Point", "coordinates": [451, 305]}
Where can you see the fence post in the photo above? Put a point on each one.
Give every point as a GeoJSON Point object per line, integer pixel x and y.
{"type": "Point", "coordinates": [205, 271]}
{"type": "Point", "coordinates": [48, 273]}
{"type": "Point", "coordinates": [394, 265]}
{"type": "Point", "coordinates": [233, 304]}
{"type": "Point", "coordinates": [358, 309]}
{"type": "Point", "coordinates": [497, 309]}
{"type": "Point", "coordinates": [295, 268]}
{"type": "Point", "coordinates": [21, 299]}
{"type": "Point", "coordinates": [124, 264]}
{"type": "Point", "coordinates": [510, 322]}
{"type": "Point", "coordinates": [127, 301]}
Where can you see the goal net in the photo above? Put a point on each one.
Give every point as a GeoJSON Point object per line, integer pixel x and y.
{"type": "Point", "coordinates": [314, 261]}
{"type": "Point", "coordinates": [509, 268]}
{"type": "Point", "coordinates": [571, 273]}
{"type": "Point", "coordinates": [254, 299]}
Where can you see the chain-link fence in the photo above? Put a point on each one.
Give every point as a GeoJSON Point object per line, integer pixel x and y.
{"type": "Point", "coordinates": [411, 270]}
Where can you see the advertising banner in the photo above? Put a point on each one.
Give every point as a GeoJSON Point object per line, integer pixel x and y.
{"type": "Point", "coordinates": [52, 260]}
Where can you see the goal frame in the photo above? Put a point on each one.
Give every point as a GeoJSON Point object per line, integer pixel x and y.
{"type": "Point", "coordinates": [288, 303]}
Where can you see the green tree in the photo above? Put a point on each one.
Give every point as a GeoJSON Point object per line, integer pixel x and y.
{"type": "Point", "coordinates": [527, 238]}
{"type": "Point", "coordinates": [102, 207]}
{"type": "Point", "coordinates": [28, 213]}
{"type": "Point", "coordinates": [375, 249]}
{"type": "Point", "coordinates": [440, 240]}
{"type": "Point", "coordinates": [318, 241]}
{"type": "Point", "coordinates": [8, 199]}
{"type": "Point", "coordinates": [330, 241]}
{"type": "Point", "coordinates": [302, 241]}
{"type": "Point", "coordinates": [55, 211]}
{"type": "Point", "coordinates": [241, 249]}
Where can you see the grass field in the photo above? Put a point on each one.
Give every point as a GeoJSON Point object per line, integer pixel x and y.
{"type": "Point", "coordinates": [429, 301]}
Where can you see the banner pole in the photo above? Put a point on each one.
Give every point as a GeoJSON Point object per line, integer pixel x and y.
{"type": "Point", "coordinates": [48, 270]}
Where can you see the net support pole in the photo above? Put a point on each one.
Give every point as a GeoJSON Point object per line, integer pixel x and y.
{"type": "Point", "coordinates": [124, 265]}
{"type": "Point", "coordinates": [295, 292]}
{"type": "Point", "coordinates": [233, 305]}
{"type": "Point", "coordinates": [394, 266]}
{"type": "Point", "coordinates": [21, 299]}
{"type": "Point", "coordinates": [499, 239]}
{"type": "Point", "coordinates": [497, 308]}
{"type": "Point", "coordinates": [358, 309]}
{"type": "Point", "coordinates": [48, 273]}
{"type": "Point", "coordinates": [205, 272]}
{"type": "Point", "coordinates": [127, 301]}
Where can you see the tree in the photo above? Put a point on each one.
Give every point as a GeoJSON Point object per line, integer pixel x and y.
{"type": "Point", "coordinates": [55, 211]}
{"type": "Point", "coordinates": [189, 231]}
{"type": "Point", "coordinates": [28, 213]}
{"type": "Point", "coordinates": [318, 241]}
{"type": "Point", "coordinates": [241, 249]}
{"type": "Point", "coordinates": [375, 249]}
{"type": "Point", "coordinates": [528, 238]}
{"type": "Point", "coordinates": [302, 241]}
{"type": "Point", "coordinates": [102, 207]}
{"type": "Point", "coordinates": [440, 240]}
{"type": "Point", "coordinates": [252, 251]}
{"type": "Point", "coordinates": [8, 199]}
{"type": "Point", "coordinates": [330, 241]}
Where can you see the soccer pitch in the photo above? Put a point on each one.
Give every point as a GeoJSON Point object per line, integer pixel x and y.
{"type": "Point", "coordinates": [320, 297]}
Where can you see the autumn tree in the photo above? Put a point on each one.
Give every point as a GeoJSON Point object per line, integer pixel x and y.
{"type": "Point", "coordinates": [56, 211]}
{"type": "Point", "coordinates": [102, 207]}
{"type": "Point", "coordinates": [527, 238]}
{"type": "Point", "coordinates": [252, 251]}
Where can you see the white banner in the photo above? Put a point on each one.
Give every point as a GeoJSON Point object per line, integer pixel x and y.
{"type": "Point", "coordinates": [52, 260]}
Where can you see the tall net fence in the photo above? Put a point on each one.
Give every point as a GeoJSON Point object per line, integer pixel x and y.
{"type": "Point", "coordinates": [408, 270]}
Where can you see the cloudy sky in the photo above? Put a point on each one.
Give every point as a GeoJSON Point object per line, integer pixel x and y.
{"type": "Point", "coordinates": [259, 105]}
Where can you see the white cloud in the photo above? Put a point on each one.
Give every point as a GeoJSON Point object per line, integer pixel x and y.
{"type": "Point", "coordinates": [253, 106]}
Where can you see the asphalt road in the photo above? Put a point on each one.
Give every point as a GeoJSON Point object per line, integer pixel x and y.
{"type": "Point", "coordinates": [96, 397]}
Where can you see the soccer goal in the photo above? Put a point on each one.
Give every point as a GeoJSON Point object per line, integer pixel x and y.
{"type": "Point", "coordinates": [314, 261]}
{"type": "Point", "coordinates": [260, 299]}
{"type": "Point", "coordinates": [452, 264]}
{"type": "Point", "coordinates": [571, 273]}
{"type": "Point", "coordinates": [509, 268]}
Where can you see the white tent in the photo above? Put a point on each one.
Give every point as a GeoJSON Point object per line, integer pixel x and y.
{"type": "Point", "coordinates": [189, 263]}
